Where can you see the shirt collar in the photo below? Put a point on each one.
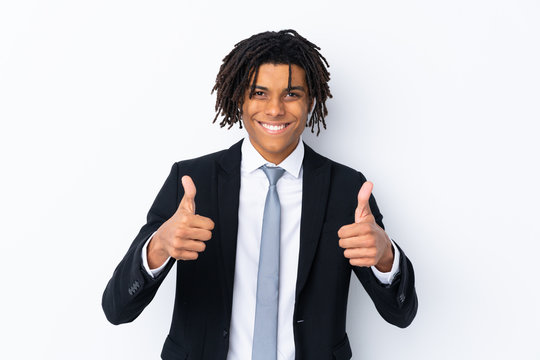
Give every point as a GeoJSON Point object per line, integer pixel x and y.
{"type": "Point", "coordinates": [252, 160]}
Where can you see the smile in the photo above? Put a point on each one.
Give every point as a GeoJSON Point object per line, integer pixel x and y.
{"type": "Point", "coordinates": [274, 128]}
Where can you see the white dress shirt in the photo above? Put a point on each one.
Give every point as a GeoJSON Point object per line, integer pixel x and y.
{"type": "Point", "coordinates": [253, 189]}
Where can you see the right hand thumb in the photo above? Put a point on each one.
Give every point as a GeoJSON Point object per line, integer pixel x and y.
{"type": "Point", "coordinates": [188, 201]}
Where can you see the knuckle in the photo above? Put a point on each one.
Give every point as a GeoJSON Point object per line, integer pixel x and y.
{"type": "Point", "coordinates": [175, 253]}
{"type": "Point", "coordinates": [369, 240]}
{"type": "Point", "coordinates": [205, 235]}
{"type": "Point", "coordinates": [177, 243]}
{"type": "Point", "coordinates": [365, 228]}
{"type": "Point", "coordinates": [355, 242]}
{"type": "Point", "coordinates": [180, 232]}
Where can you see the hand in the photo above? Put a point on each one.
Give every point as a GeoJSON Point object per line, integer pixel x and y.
{"type": "Point", "coordinates": [183, 236]}
{"type": "Point", "coordinates": [365, 242]}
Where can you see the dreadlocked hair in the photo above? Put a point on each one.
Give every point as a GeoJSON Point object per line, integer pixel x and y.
{"type": "Point", "coordinates": [283, 47]}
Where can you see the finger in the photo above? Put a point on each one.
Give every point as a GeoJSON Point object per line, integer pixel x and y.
{"type": "Point", "coordinates": [200, 222]}
{"type": "Point", "coordinates": [357, 253]}
{"type": "Point", "coordinates": [356, 242]}
{"type": "Point", "coordinates": [363, 210]}
{"type": "Point", "coordinates": [185, 255]}
{"type": "Point", "coordinates": [365, 262]}
{"type": "Point", "coordinates": [194, 234]}
{"type": "Point", "coordinates": [360, 229]}
{"type": "Point", "coordinates": [188, 200]}
{"type": "Point", "coordinates": [192, 245]}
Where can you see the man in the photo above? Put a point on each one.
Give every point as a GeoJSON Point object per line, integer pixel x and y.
{"type": "Point", "coordinates": [266, 233]}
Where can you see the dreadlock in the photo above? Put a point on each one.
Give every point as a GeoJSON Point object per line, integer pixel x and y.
{"type": "Point", "coordinates": [283, 47]}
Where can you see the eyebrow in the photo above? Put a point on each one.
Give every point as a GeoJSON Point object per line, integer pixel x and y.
{"type": "Point", "coordinates": [301, 88]}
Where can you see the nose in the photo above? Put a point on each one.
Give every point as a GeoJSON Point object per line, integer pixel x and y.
{"type": "Point", "coordinates": [274, 107]}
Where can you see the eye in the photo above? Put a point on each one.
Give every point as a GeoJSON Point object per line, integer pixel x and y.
{"type": "Point", "coordinates": [292, 95]}
{"type": "Point", "coordinates": [258, 93]}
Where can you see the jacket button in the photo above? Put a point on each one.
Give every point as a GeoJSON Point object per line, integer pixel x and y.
{"type": "Point", "coordinates": [402, 298]}
{"type": "Point", "coordinates": [134, 287]}
{"type": "Point", "coordinates": [225, 333]}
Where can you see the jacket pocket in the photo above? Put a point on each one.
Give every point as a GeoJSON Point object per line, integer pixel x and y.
{"type": "Point", "coordinates": [343, 350]}
{"type": "Point", "coordinates": [173, 351]}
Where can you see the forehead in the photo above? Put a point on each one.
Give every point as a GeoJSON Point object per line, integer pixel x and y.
{"type": "Point", "coordinates": [278, 75]}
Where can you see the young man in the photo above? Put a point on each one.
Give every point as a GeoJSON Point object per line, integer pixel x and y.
{"type": "Point", "coordinates": [265, 234]}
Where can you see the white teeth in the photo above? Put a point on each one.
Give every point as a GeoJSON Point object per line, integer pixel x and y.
{"type": "Point", "coordinates": [273, 127]}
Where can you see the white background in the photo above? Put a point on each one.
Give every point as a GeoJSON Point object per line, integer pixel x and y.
{"type": "Point", "coordinates": [436, 102]}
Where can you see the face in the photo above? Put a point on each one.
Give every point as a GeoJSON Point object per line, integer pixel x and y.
{"type": "Point", "coordinates": [274, 117]}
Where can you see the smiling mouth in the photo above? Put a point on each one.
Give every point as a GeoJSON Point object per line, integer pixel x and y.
{"type": "Point", "coordinates": [274, 128]}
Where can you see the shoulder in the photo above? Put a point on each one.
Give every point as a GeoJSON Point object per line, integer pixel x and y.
{"type": "Point", "coordinates": [340, 172]}
{"type": "Point", "coordinates": [208, 162]}
{"type": "Point", "coordinates": [345, 182]}
{"type": "Point", "coordinates": [201, 160]}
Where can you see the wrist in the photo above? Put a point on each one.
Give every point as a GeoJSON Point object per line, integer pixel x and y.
{"type": "Point", "coordinates": [155, 253]}
{"type": "Point", "coordinates": [387, 260]}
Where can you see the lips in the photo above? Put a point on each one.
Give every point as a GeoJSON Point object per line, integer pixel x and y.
{"type": "Point", "coordinates": [273, 128]}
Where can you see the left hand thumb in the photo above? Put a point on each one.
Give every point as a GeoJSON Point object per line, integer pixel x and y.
{"type": "Point", "coordinates": [363, 210]}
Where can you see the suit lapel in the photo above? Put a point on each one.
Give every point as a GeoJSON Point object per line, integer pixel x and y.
{"type": "Point", "coordinates": [315, 183]}
{"type": "Point", "coordinates": [228, 193]}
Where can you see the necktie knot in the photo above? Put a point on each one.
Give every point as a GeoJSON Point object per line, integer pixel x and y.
{"type": "Point", "coordinates": [273, 173]}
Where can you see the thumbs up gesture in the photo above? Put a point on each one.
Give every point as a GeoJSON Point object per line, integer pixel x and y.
{"type": "Point", "coordinates": [365, 242]}
{"type": "Point", "coordinates": [183, 236]}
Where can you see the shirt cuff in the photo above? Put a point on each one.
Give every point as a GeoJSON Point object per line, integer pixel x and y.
{"type": "Point", "coordinates": [386, 278]}
{"type": "Point", "coordinates": [152, 272]}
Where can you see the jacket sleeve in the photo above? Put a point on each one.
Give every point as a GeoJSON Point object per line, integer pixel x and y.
{"type": "Point", "coordinates": [397, 303]}
{"type": "Point", "coordinates": [131, 289]}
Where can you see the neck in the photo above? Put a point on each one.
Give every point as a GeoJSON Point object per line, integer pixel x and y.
{"type": "Point", "coordinates": [275, 157]}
